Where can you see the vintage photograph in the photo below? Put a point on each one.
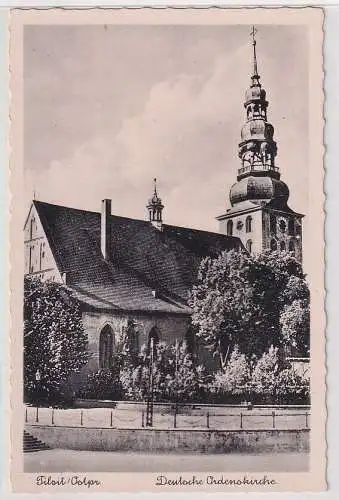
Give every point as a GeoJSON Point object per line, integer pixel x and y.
{"type": "Point", "coordinates": [171, 223]}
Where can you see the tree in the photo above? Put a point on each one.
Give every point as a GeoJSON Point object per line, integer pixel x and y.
{"type": "Point", "coordinates": [235, 378]}
{"type": "Point", "coordinates": [239, 298]}
{"type": "Point", "coordinates": [295, 317]}
{"type": "Point", "coordinates": [55, 344]}
{"type": "Point", "coordinates": [265, 374]}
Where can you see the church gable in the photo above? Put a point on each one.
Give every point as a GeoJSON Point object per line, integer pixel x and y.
{"type": "Point", "coordinates": [39, 259]}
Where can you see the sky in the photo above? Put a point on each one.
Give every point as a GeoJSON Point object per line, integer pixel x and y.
{"type": "Point", "coordinates": [108, 108]}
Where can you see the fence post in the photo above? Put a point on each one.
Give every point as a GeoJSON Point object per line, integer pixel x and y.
{"type": "Point", "coordinates": [240, 420]}
{"type": "Point", "coordinates": [306, 420]}
{"type": "Point", "coordinates": [175, 417]}
{"type": "Point", "coordinates": [208, 420]}
{"type": "Point", "coordinates": [52, 416]}
{"type": "Point", "coordinates": [111, 418]}
{"type": "Point", "coordinates": [26, 415]}
{"type": "Point", "coordinates": [273, 419]}
{"type": "Point", "coordinates": [81, 417]}
{"type": "Point", "coordinates": [37, 414]}
{"type": "Point", "coordinates": [143, 418]}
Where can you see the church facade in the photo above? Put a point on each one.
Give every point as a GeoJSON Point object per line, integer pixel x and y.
{"type": "Point", "coordinates": [122, 269]}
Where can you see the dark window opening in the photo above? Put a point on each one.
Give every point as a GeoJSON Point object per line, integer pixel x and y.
{"type": "Point", "coordinates": [230, 228]}
{"type": "Point", "coordinates": [106, 347]}
{"type": "Point", "coordinates": [248, 224]}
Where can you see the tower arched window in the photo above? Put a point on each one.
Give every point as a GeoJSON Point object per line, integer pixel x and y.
{"type": "Point", "coordinates": [273, 245]}
{"type": "Point", "coordinates": [291, 227]}
{"type": "Point", "coordinates": [249, 224]}
{"type": "Point", "coordinates": [249, 246]}
{"type": "Point", "coordinates": [282, 246]}
{"type": "Point", "coordinates": [273, 224]}
{"type": "Point", "coordinates": [230, 228]}
{"type": "Point", "coordinates": [282, 226]}
{"type": "Point", "coordinates": [106, 347]}
{"type": "Point", "coordinates": [291, 246]}
{"type": "Point", "coordinates": [153, 339]}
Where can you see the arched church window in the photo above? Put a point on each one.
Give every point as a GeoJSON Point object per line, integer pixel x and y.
{"type": "Point", "coordinates": [273, 224]}
{"type": "Point", "coordinates": [106, 347]}
{"type": "Point", "coordinates": [291, 246]}
{"type": "Point", "coordinates": [273, 245]}
{"type": "Point", "coordinates": [248, 224]}
{"type": "Point", "coordinates": [249, 246]}
{"type": "Point", "coordinates": [291, 227]}
{"type": "Point", "coordinates": [282, 226]}
{"type": "Point", "coordinates": [153, 340]}
{"type": "Point", "coordinates": [282, 246]}
{"type": "Point", "coordinates": [230, 228]}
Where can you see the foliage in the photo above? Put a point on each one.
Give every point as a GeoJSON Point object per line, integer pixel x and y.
{"type": "Point", "coordinates": [292, 387]}
{"type": "Point", "coordinates": [175, 375]}
{"type": "Point", "coordinates": [234, 379]}
{"type": "Point", "coordinates": [103, 384]}
{"type": "Point", "coordinates": [55, 344]}
{"type": "Point", "coordinates": [239, 300]}
{"type": "Point", "coordinates": [265, 374]}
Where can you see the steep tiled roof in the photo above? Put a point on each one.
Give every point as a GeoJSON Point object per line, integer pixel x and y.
{"type": "Point", "coordinates": [143, 259]}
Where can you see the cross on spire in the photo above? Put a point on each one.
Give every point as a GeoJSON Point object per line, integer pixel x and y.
{"type": "Point", "coordinates": [253, 32]}
{"type": "Point", "coordinates": [155, 186]}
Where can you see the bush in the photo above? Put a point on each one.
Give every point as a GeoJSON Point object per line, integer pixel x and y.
{"type": "Point", "coordinates": [176, 378]}
{"type": "Point", "coordinates": [231, 384]}
{"type": "Point", "coordinates": [103, 384]}
{"type": "Point", "coordinates": [292, 388]}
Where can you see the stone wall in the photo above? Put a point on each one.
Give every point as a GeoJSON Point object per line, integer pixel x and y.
{"type": "Point", "coordinates": [173, 440]}
{"type": "Point", "coordinates": [169, 328]}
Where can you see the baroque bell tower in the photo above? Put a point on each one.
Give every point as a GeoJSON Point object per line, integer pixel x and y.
{"type": "Point", "coordinates": [259, 213]}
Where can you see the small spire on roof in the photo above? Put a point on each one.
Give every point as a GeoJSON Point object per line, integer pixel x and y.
{"type": "Point", "coordinates": [155, 208]}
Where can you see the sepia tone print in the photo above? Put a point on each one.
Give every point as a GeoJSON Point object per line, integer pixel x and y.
{"type": "Point", "coordinates": [169, 167]}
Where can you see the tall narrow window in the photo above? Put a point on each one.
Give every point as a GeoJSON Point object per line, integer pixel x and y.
{"type": "Point", "coordinates": [230, 228]}
{"type": "Point", "coordinates": [249, 246]}
{"type": "Point", "coordinates": [291, 246]}
{"type": "Point", "coordinates": [291, 227]}
{"type": "Point", "coordinates": [248, 224]}
{"type": "Point", "coordinates": [273, 224]}
{"type": "Point", "coordinates": [106, 347]}
{"type": "Point", "coordinates": [273, 245]}
{"type": "Point", "coordinates": [30, 265]}
{"type": "Point", "coordinates": [282, 246]}
{"type": "Point", "coordinates": [153, 338]}
{"type": "Point", "coordinates": [31, 228]}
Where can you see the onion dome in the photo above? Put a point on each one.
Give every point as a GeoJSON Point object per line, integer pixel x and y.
{"type": "Point", "coordinates": [259, 188]}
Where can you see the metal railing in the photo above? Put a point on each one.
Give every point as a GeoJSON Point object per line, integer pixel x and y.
{"type": "Point", "coordinates": [112, 418]}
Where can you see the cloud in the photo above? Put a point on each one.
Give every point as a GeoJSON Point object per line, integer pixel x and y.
{"type": "Point", "coordinates": [186, 135]}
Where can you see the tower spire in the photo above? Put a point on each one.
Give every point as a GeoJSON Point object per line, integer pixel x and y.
{"type": "Point", "coordinates": [254, 43]}
{"type": "Point", "coordinates": [155, 208]}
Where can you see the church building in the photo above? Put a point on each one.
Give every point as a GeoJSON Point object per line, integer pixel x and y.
{"type": "Point", "coordinates": [142, 270]}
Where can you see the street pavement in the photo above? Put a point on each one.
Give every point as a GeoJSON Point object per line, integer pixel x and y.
{"type": "Point", "coordinates": [57, 460]}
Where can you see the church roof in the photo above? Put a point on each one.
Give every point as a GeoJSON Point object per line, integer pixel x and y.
{"type": "Point", "coordinates": [143, 259]}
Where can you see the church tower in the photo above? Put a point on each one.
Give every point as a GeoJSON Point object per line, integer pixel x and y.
{"type": "Point", "coordinates": [155, 208]}
{"type": "Point", "coordinates": [259, 213]}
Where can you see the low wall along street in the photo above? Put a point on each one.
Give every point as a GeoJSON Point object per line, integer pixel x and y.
{"type": "Point", "coordinates": [172, 440]}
